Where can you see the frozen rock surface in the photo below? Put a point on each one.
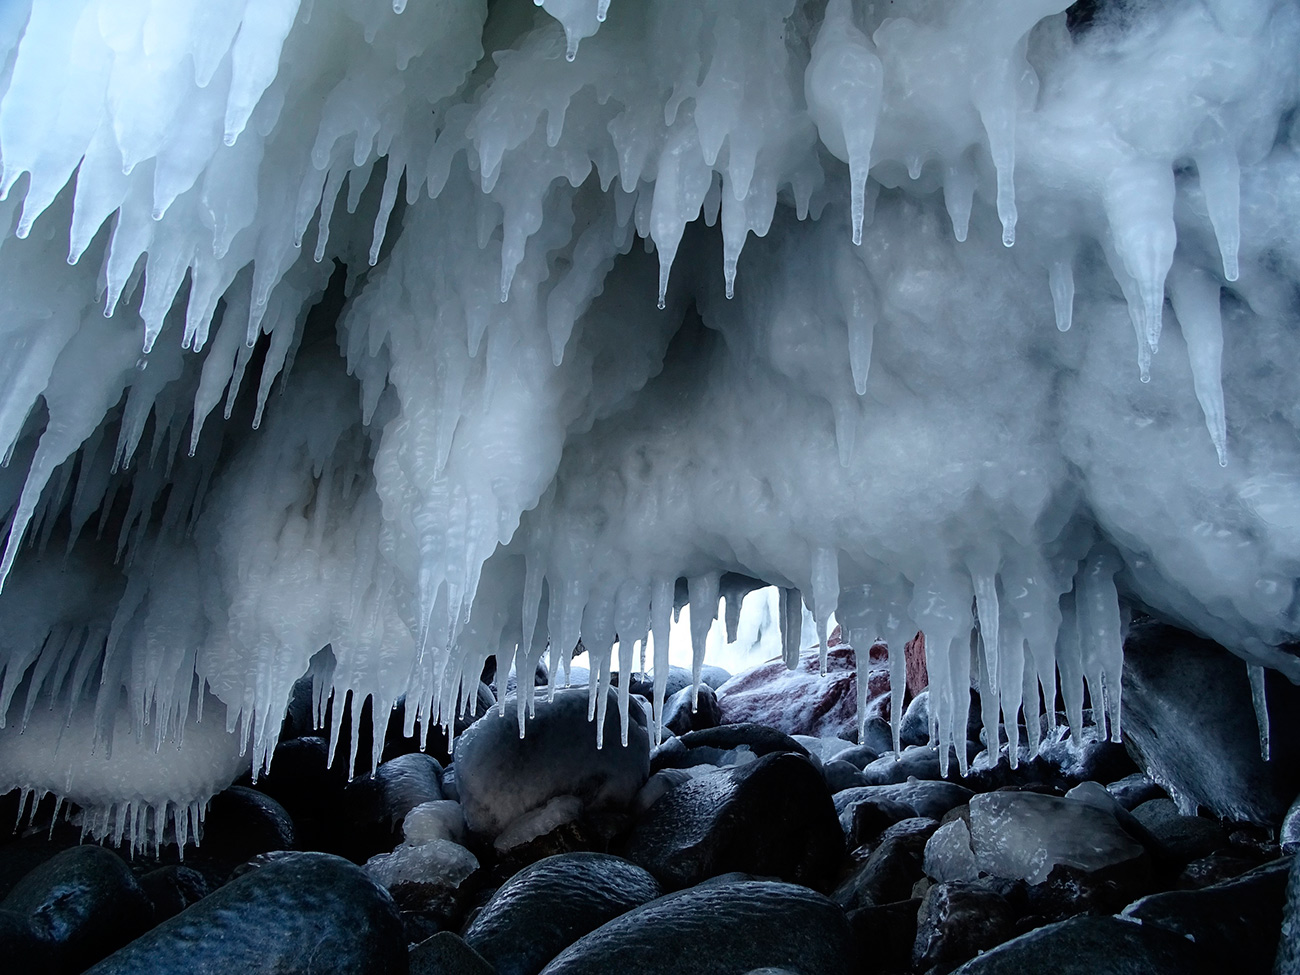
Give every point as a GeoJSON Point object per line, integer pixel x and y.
{"type": "Point", "coordinates": [501, 776]}
{"type": "Point", "coordinates": [948, 854]}
{"type": "Point", "coordinates": [727, 929]}
{"type": "Point", "coordinates": [1023, 835]}
{"type": "Point", "coordinates": [552, 903]}
{"type": "Point", "coordinates": [446, 330]}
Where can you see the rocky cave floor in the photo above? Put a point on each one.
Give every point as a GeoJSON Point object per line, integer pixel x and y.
{"type": "Point", "coordinates": [732, 848]}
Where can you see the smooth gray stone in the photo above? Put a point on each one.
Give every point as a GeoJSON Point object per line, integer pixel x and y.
{"type": "Point", "coordinates": [726, 929]}
{"type": "Point", "coordinates": [552, 903]}
{"type": "Point", "coordinates": [298, 914]}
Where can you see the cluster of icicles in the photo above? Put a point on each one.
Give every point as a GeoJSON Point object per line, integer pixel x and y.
{"type": "Point", "coordinates": [422, 332]}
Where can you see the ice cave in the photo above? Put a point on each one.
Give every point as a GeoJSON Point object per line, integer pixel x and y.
{"type": "Point", "coordinates": [378, 341]}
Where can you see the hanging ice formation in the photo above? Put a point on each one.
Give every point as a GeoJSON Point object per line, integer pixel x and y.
{"type": "Point", "coordinates": [334, 323]}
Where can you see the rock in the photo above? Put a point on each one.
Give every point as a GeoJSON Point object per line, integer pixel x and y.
{"type": "Point", "coordinates": [1022, 835]}
{"type": "Point", "coordinates": [842, 775]}
{"type": "Point", "coordinates": [678, 678]}
{"type": "Point", "coordinates": [1190, 724]}
{"type": "Point", "coordinates": [724, 745]}
{"type": "Point", "coordinates": [948, 854]}
{"type": "Point", "coordinates": [1289, 835]}
{"type": "Point", "coordinates": [1182, 839]}
{"type": "Point", "coordinates": [823, 749]}
{"type": "Point", "coordinates": [915, 761]}
{"type": "Point", "coordinates": [1214, 869]}
{"type": "Point", "coordinates": [84, 903]}
{"type": "Point", "coordinates": [447, 954]}
{"type": "Point", "coordinates": [885, 935]}
{"type": "Point", "coordinates": [557, 812]}
{"type": "Point", "coordinates": [859, 756]}
{"type": "Point", "coordinates": [1287, 961]}
{"type": "Point", "coordinates": [927, 799]}
{"type": "Point", "coordinates": [243, 822]}
{"type": "Point", "coordinates": [1090, 946]}
{"type": "Point", "coordinates": [715, 677]}
{"type": "Point", "coordinates": [892, 868]}
{"type": "Point", "coordinates": [310, 791]}
{"type": "Point", "coordinates": [23, 949]}
{"type": "Point", "coordinates": [1235, 923]}
{"type": "Point", "coordinates": [547, 906]}
{"type": "Point", "coordinates": [727, 929]}
{"type": "Point", "coordinates": [427, 878]}
{"type": "Point", "coordinates": [299, 913]}
{"type": "Point", "coordinates": [173, 888]}
{"type": "Point", "coordinates": [375, 806]}
{"type": "Point", "coordinates": [1133, 790]}
{"type": "Point", "coordinates": [877, 736]}
{"type": "Point", "coordinates": [680, 717]}
{"type": "Point", "coordinates": [501, 776]}
{"type": "Point", "coordinates": [442, 819]}
{"type": "Point", "coordinates": [956, 921]}
{"type": "Point", "coordinates": [871, 817]}
{"type": "Point", "coordinates": [915, 727]}
{"type": "Point", "coordinates": [773, 817]}
{"type": "Point", "coordinates": [802, 701]}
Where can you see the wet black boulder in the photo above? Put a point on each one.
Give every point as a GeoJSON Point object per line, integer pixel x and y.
{"type": "Point", "coordinates": [773, 818]}
{"type": "Point", "coordinates": [84, 903]}
{"type": "Point", "coordinates": [296, 914]}
{"type": "Point", "coordinates": [718, 929]}
{"type": "Point", "coordinates": [552, 903]}
{"type": "Point", "coordinates": [1091, 946]}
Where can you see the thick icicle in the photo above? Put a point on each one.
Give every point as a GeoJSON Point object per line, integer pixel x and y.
{"type": "Point", "coordinates": [1195, 297]}
{"type": "Point", "coordinates": [825, 592]}
{"type": "Point", "coordinates": [704, 610]}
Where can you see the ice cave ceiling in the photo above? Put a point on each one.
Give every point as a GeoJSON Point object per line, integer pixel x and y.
{"type": "Point", "coordinates": [440, 329]}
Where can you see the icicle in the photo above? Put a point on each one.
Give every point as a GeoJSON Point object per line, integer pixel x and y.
{"type": "Point", "coordinates": [826, 593]}
{"type": "Point", "coordinates": [661, 611]}
{"type": "Point", "coordinates": [1259, 698]}
{"type": "Point", "coordinates": [1195, 297]}
{"type": "Point", "coordinates": [791, 625]}
{"type": "Point", "coordinates": [941, 607]}
{"type": "Point", "coordinates": [704, 610]}
{"type": "Point", "coordinates": [857, 296]}
{"type": "Point", "coordinates": [1140, 208]}
{"type": "Point", "coordinates": [843, 85]}
{"type": "Point", "coordinates": [958, 196]}
{"type": "Point", "coordinates": [1220, 178]}
{"type": "Point", "coordinates": [1061, 280]}
{"type": "Point", "coordinates": [1069, 663]}
{"type": "Point", "coordinates": [1100, 642]}
{"type": "Point", "coordinates": [983, 570]}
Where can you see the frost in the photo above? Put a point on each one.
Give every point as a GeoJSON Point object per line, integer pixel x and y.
{"type": "Point", "coordinates": [383, 369]}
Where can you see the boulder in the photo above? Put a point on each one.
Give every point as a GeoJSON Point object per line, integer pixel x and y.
{"type": "Point", "coordinates": [885, 935]}
{"type": "Point", "coordinates": [803, 701]}
{"type": "Point", "coordinates": [682, 714]}
{"type": "Point", "coordinates": [1181, 839]}
{"type": "Point", "coordinates": [1133, 790]}
{"type": "Point", "coordinates": [773, 817]}
{"type": "Point", "coordinates": [731, 744]}
{"type": "Point", "coordinates": [1235, 924]}
{"type": "Point", "coordinates": [24, 950]}
{"type": "Point", "coordinates": [429, 878]}
{"type": "Point", "coordinates": [173, 888]}
{"type": "Point", "coordinates": [927, 799]}
{"type": "Point", "coordinates": [891, 870]}
{"type": "Point", "coordinates": [1090, 946]}
{"type": "Point", "coordinates": [1189, 722]}
{"type": "Point", "coordinates": [500, 776]}
{"type": "Point", "coordinates": [83, 903]}
{"type": "Point", "coordinates": [718, 929]}
{"type": "Point", "coordinates": [956, 921]}
{"type": "Point", "coordinates": [375, 806]}
{"type": "Point", "coordinates": [243, 822]}
{"type": "Point", "coordinates": [550, 904]}
{"type": "Point", "coordinates": [296, 914]}
{"type": "Point", "coordinates": [871, 817]}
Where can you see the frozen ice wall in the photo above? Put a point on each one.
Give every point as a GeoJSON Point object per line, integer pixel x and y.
{"type": "Point", "coordinates": [433, 329]}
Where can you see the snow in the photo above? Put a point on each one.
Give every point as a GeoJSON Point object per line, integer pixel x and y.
{"type": "Point", "coordinates": [383, 367]}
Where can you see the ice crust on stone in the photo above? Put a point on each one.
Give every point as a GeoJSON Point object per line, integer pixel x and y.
{"type": "Point", "coordinates": [334, 324]}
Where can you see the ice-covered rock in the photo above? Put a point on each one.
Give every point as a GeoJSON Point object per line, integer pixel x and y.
{"type": "Point", "coordinates": [425, 878]}
{"type": "Point", "coordinates": [538, 822]}
{"type": "Point", "coordinates": [440, 819]}
{"type": "Point", "coordinates": [948, 854]}
{"type": "Point", "coordinates": [810, 699]}
{"type": "Point", "coordinates": [1023, 835]}
{"type": "Point", "coordinates": [501, 776]}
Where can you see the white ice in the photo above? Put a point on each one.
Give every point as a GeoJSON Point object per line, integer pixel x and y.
{"type": "Point", "coordinates": [383, 367]}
